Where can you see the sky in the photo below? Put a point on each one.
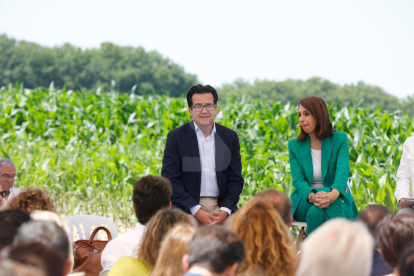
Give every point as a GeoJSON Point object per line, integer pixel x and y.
{"type": "Point", "coordinates": [219, 41]}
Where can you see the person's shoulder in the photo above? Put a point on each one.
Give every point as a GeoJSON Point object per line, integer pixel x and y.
{"type": "Point", "coordinates": [127, 264]}
{"type": "Point", "coordinates": [409, 141]}
{"type": "Point", "coordinates": [293, 143]}
{"type": "Point", "coordinates": [180, 129]}
{"type": "Point", "coordinates": [339, 136]}
{"type": "Point", "coordinates": [226, 132]}
{"type": "Point", "coordinates": [221, 128]}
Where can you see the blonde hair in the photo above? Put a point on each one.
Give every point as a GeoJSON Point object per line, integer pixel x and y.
{"type": "Point", "coordinates": [265, 238]}
{"type": "Point", "coordinates": [155, 230]}
{"type": "Point", "coordinates": [339, 247]}
{"type": "Point", "coordinates": [173, 248]}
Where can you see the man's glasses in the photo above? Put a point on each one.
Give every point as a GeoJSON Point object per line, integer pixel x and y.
{"type": "Point", "coordinates": [3, 193]}
{"type": "Point", "coordinates": [9, 176]}
{"type": "Point", "coordinates": [199, 107]}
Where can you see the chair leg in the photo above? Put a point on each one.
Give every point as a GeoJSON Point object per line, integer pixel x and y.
{"type": "Point", "coordinates": [301, 237]}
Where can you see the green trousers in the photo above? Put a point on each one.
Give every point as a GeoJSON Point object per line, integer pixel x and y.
{"type": "Point", "coordinates": [315, 216]}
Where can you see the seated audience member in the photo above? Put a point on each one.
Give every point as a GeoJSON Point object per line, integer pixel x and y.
{"type": "Point", "coordinates": [280, 202]}
{"type": "Point", "coordinates": [372, 216]}
{"type": "Point", "coordinates": [33, 258]}
{"type": "Point", "coordinates": [394, 235]}
{"type": "Point", "coordinates": [50, 235]}
{"type": "Point", "coordinates": [406, 261]}
{"type": "Point", "coordinates": [10, 221]}
{"type": "Point", "coordinates": [150, 194]}
{"type": "Point", "coordinates": [338, 247]}
{"type": "Point", "coordinates": [214, 251]}
{"type": "Point", "coordinates": [150, 244]}
{"type": "Point", "coordinates": [266, 239]}
{"type": "Point", "coordinates": [2, 193]}
{"type": "Point", "coordinates": [30, 199]}
{"type": "Point", "coordinates": [7, 176]}
{"type": "Point", "coordinates": [173, 248]}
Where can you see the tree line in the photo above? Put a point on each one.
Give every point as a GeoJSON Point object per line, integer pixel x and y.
{"type": "Point", "coordinates": [149, 72]}
{"type": "Point", "coordinates": [77, 69]}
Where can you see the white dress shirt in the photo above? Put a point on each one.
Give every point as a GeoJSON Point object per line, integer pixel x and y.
{"type": "Point", "coordinates": [125, 245]}
{"type": "Point", "coordinates": [405, 173]}
{"type": "Point", "coordinates": [13, 193]}
{"type": "Point", "coordinates": [207, 150]}
{"type": "Point", "coordinates": [317, 169]}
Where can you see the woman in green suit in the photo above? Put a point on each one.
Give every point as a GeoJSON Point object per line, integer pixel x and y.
{"type": "Point", "coordinates": [319, 162]}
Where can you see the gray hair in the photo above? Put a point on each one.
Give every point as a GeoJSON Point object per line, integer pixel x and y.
{"type": "Point", "coordinates": [7, 163]}
{"type": "Point", "coordinates": [48, 233]}
{"type": "Point", "coordinates": [338, 247]}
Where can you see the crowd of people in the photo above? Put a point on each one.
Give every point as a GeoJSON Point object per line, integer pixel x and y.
{"type": "Point", "coordinates": [188, 221]}
{"type": "Point", "coordinates": [255, 240]}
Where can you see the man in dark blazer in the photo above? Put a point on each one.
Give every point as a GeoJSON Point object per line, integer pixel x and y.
{"type": "Point", "coordinates": [202, 161]}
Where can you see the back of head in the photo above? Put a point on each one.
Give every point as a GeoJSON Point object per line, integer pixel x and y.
{"type": "Point", "coordinates": [406, 261]}
{"type": "Point", "coordinates": [266, 238]}
{"type": "Point", "coordinates": [279, 201]}
{"type": "Point", "coordinates": [215, 248]}
{"type": "Point", "coordinates": [10, 221]}
{"type": "Point", "coordinates": [48, 233]}
{"type": "Point", "coordinates": [31, 199]}
{"type": "Point", "coordinates": [156, 229]}
{"type": "Point", "coordinates": [394, 235]}
{"type": "Point", "coordinates": [34, 255]}
{"type": "Point", "coordinates": [150, 194]}
{"type": "Point", "coordinates": [372, 216]}
{"type": "Point", "coordinates": [173, 248]}
{"type": "Point", "coordinates": [338, 247]}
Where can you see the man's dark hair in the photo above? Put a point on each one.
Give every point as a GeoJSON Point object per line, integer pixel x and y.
{"type": "Point", "coordinates": [280, 202]}
{"type": "Point", "coordinates": [394, 235]}
{"type": "Point", "coordinates": [201, 89]}
{"type": "Point", "coordinates": [150, 194]}
{"type": "Point", "coordinates": [10, 221]}
{"type": "Point", "coordinates": [48, 233]}
{"type": "Point", "coordinates": [406, 261]}
{"type": "Point", "coordinates": [372, 216]}
{"type": "Point", "coordinates": [215, 248]}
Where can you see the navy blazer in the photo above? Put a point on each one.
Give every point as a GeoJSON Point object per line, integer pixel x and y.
{"type": "Point", "coordinates": [181, 165]}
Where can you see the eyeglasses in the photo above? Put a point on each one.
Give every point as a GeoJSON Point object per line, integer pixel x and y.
{"type": "Point", "coordinates": [9, 176]}
{"type": "Point", "coordinates": [199, 107]}
{"type": "Point", "coordinates": [3, 193]}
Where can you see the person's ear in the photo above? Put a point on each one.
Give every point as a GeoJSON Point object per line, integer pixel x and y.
{"type": "Point", "coordinates": [169, 204]}
{"type": "Point", "coordinates": [189, 112]}
{"type": "Point", "coordinates": [231, 270]}
{"type": "Point", "coordinates": [184, 263]}
{"type": "Point", "coordinates": [133, 206]}
{"type": "Point", "coordinates": [290, 222]}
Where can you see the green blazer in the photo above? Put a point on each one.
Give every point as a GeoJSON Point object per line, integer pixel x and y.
{"type": "Point", "coordinates": [334, 166]}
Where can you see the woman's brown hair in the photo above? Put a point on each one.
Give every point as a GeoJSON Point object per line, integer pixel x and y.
{"type": "Point", "coordinates": [31, 199]}
{"type": "Point", "coordinates": [173, 248]}
{"type": "Point", "coordinates": [394, 235]}
{"type": "Point", "coordinates": [319, 110]}
{"type": "Point", "coordinates": [265, 238]}
{"type": "Point", "coordinates": [155, 230]}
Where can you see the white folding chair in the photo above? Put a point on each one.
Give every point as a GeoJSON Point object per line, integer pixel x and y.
{"type": "Point", "coordinates": [87, 221]}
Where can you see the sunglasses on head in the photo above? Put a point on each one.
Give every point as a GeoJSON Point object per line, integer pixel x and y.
{"type": "Point", "coordinates": [3, 193]}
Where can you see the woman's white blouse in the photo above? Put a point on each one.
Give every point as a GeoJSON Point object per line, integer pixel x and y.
{"type": "Point", "coordinates": [405, 173]}
{"type": "Point", "coordinates": [317, 169]}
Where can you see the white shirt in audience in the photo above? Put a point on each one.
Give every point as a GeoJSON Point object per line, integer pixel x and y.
{"type": "Point", "coordinates": [13, 193]}
{"type": "Point", "coordinates": [125, 245]}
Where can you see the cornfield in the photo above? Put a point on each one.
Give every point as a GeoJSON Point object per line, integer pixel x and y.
{"type": "Point", "coordinates": [88, 149]}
